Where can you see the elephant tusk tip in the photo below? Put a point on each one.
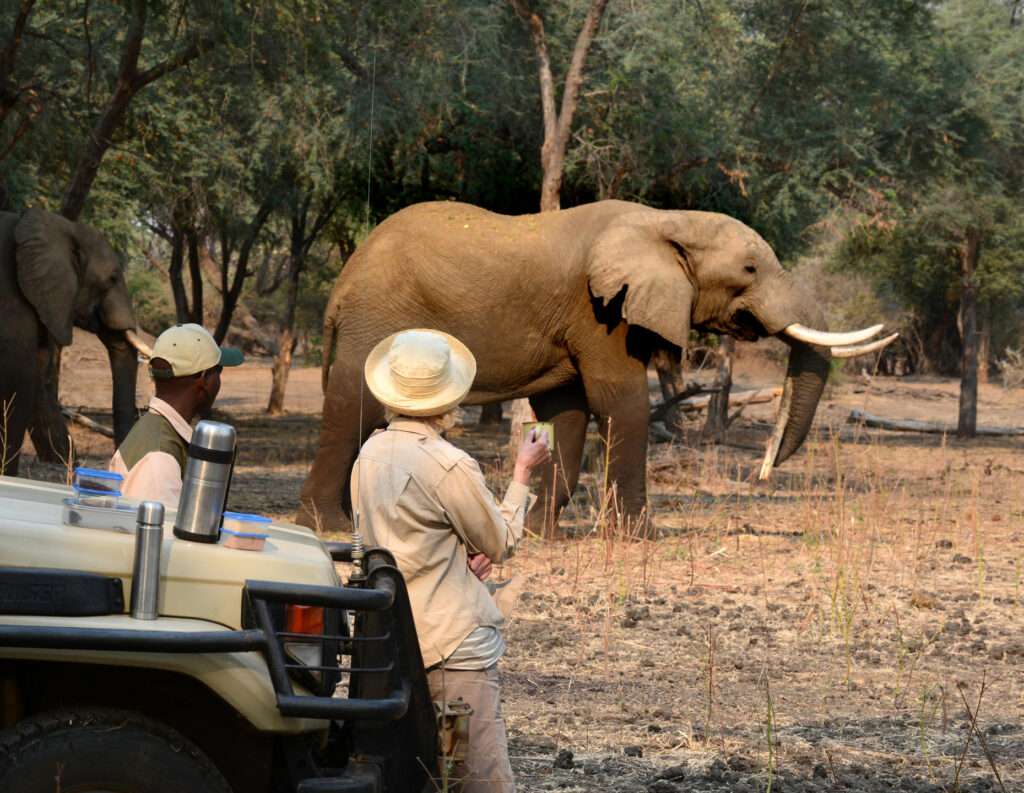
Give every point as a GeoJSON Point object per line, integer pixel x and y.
{"type": "Point", "coordinates": [854, 351]}
{"type": "Point", "coordinates": [144, 350]}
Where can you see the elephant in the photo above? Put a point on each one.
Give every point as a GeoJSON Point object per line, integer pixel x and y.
{"type": "Point", "coordinates": [54, 274]}
{"type": "Point", "coordinates": [565, 308]}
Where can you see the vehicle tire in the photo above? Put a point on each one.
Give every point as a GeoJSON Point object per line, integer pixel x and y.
{"type": "Point", "coordinates": [113, 751]}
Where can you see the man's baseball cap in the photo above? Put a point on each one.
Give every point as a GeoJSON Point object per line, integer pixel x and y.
{"type": "Point", "coordinates": [190, 349]}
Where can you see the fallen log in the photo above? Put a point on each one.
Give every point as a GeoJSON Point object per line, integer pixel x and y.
{"type": "Point", "coordinates": [659, 411]}
{"type": "Point", "coordinates": [754, 397]}
{"type": "Point", "coordinates": [915, 425]}
{"type": "Point", "coordinates": [87, 422]}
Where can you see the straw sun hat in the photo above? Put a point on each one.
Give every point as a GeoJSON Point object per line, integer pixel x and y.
{"type": "Point", "coordinates": [420, 372]}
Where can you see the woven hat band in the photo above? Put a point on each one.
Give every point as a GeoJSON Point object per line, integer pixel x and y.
{"type": "Point", "coordinates": [420, 385]}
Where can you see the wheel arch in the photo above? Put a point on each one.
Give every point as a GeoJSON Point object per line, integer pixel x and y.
{"type": "Point", "coordinates": [243, 754]}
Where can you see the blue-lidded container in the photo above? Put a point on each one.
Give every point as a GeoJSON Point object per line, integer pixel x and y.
{"type": "Point", "coordinates": [244, 531]}
{"type": "Point", "coordinates": [96, 488]}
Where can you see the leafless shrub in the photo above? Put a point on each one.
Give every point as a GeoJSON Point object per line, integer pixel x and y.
{"type": "Point", "coordinates": [1011, 368]}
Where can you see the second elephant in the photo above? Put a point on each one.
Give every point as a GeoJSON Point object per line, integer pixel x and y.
{"type": "Point", "coordinates": [55, 274]}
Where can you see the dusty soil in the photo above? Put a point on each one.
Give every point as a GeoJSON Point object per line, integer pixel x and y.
{"type": "Point", "coordinates": [855, 624]}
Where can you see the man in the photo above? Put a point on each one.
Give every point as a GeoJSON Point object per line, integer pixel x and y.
{"type": "Point", "coordinates": [185, 366]}
{"type": "Point", "coordinates": [427, 502]}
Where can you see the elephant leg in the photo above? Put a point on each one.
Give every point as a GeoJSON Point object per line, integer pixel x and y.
{"type": "Point", "coordinates": [566, 408]}
{"type": "Point", "coordinates": [324, 503]}
{"type": "Point", "coordinates": [16, 402]}
{"type": "Point", "coordinates": [622, 409]}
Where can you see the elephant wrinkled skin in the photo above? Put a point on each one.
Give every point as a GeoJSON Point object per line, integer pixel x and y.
{"type": "Point", "coordinates": [55, 274]}
{"type": "Point", "coordinates": [565, 308]}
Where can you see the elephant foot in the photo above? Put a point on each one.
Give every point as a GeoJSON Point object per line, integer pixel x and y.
{"type": "Point", "coordinates": [323, 518]}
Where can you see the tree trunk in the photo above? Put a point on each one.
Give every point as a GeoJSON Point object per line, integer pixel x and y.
{"type": "Point", "coordinates": [195, 274]}
{"type": "Point", "coordinates": [968, 418]}
{"type": "Point", "coordinates": [558, 126]}
{"type": "Point", "coordinates": [231, 288]}
{"type": "Point", "coordinates": [282, 366]}
{"type": "Point", "coordinates": [181, 308]}
{"type": "Point", "coordinates": [718, 409]}
{"type": "Point", "coordinates": [285, 345]}
{"type": "Point", "coordinates": [984, 343]}
{"type": "Point", "coordinates": [301, 243]}
{"type": "Point", "coordinates": [49, 429]}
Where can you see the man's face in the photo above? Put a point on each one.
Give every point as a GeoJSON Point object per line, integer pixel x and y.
{"type": "Point", "coordinates": [210, 385]}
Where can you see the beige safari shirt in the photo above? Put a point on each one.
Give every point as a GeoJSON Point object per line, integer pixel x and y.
{"type": "Point", "coordinates": [426, 501]}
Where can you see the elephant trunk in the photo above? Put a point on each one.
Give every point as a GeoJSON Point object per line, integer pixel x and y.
{"type": "Point", "coordinates": [805, 381]}
{"type": "Point", "coordinates": [124, 364]}
{"type": "Point", "coordinates": [806, 373]}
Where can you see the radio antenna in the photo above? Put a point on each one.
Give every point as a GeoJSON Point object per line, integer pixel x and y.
{"type": "Point", "coordinates": [369, 150]}
{"type": "Point", "coordinates": [358, 551]}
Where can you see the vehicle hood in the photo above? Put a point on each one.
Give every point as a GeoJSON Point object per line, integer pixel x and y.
{"type": "Point", "coordinates": [198, 580]}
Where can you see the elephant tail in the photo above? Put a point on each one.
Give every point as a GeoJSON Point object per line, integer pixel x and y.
{"type": "Point", "coordinates": [330, 337]}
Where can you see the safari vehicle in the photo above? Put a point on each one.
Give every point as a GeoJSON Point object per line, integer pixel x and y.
{"type": "Point", "coordinates": [261, 671]}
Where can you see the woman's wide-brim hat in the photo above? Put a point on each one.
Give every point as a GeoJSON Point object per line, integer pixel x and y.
{"type": "Point", "coordinates": [420, 372]}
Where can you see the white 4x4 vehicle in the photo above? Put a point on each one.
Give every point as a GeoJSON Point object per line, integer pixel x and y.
{"type": "Point", "coordinates": [262, 672]}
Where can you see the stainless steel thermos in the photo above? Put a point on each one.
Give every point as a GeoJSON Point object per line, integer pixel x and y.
{"type": "Point", "coordinates": [149, 537]}
{"type": "Point", "coordinates": [204, 487]}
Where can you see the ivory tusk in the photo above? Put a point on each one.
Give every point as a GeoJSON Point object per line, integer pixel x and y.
{"type": "Point", "coordinates": [826, 339]}
{"type": "Point", "coordinates": [772, 448]}
{"type": "Point", "coordinates": [133, 339]}
{"type": "Point", "coordinates": [864, 349]}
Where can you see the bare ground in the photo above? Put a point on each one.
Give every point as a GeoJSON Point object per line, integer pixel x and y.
{"type": "Point", "coordinates": [855, 624]}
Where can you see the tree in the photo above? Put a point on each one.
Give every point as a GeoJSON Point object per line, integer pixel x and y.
{"type": "Point", "coordinates": [949, 237]}
{"type": "Point", "coordinates": [558, 124]}
{"type": "Point", "coordinates": [176, 38]}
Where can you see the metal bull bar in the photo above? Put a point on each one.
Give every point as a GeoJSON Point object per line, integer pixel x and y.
{"type": "Point", "coordinates": [383, 730]}
{"type": "Point", "coordinates": [380, 663]}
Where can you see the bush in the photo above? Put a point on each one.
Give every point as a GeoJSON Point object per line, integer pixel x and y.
{"type": "Point", "coordinates": [1011, 368]}
{"type": "Point", "coordinates": [151, 299]}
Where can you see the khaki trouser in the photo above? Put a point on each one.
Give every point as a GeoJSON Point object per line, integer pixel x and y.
{"type": "Point", "coordinates": [486, 768]}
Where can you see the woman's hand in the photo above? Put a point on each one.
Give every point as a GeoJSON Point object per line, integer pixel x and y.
{"type": "Point", "coordinates": [480, 564]}
{"type": "Point", "coordinates": [533, 451]}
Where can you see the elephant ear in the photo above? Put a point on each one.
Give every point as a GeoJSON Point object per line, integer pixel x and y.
{"type": "Point", "coordinates": [47, 271]}
{"type": "Point", "coordinates": [641, 258]}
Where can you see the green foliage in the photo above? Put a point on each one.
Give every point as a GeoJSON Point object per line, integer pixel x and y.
{"type": "Point", "coordinates": [912, 242]}
{"type": "Point", "coordinates": [882, 126]}
{"type": "Point", "coordinates": [154, 310]}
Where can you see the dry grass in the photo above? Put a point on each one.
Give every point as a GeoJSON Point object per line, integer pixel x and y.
{"type": "Point", "coordinates": [814, 633]}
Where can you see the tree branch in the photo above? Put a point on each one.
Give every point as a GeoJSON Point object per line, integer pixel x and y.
{"type": "Point", "coordinates": [197, 47]}
{"type": "Point", "coordinates": [574, 77]}
{"type": "Point", "coordinates": [8, 52]}
{"type": "Point", "coordinates": [547, 82]}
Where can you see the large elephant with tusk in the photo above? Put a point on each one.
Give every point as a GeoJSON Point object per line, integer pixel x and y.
{"type": "Point", "coordinates": [55, 274]}
{"type": "Point", "coordinates": [565, 308]}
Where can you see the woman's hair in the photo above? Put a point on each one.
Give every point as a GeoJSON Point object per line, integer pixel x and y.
{"type": "Point", "coordinates": [441, 423]}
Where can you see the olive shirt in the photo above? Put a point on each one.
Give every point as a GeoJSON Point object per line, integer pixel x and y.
{"type": "Point", "coordinates": [426, 501]}
{"type": "Point", "coordinates": [152, 456]}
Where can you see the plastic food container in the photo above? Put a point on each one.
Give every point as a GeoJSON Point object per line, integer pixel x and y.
{"type": "Point", "coordinates": [243, 531]}
{"type": "Point", "coordinates": [96, 488]}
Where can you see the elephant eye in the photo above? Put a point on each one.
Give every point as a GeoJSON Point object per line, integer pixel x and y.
{"type": "Point", "coordinates": [750, 268]}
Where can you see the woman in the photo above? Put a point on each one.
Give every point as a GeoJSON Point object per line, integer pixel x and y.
{"type": "Point", "coordinates": [426, 501]}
